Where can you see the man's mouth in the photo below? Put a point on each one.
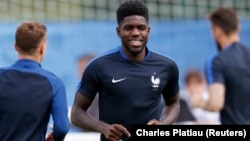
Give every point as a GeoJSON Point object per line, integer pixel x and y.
{"type": "Point", "coordinates": [135, 42]}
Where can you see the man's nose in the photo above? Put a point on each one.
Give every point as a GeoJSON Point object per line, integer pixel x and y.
{"type": "Point", "coordinates": [135, 32]}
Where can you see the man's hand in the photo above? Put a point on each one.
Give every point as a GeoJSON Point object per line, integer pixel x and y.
{"type": "Point", "coordinates": [154, 122]}
{"type": "Point", "coordinates": [50, 136]}
{"type": "Point", "coordinates": [115, 132]}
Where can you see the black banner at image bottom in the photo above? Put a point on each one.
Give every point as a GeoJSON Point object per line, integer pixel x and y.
{"type": "Point", "coordinates": [194, 132]}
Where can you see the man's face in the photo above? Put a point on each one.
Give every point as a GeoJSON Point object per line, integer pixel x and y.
{"type": "Point", "coordinates": [133, 31]}
{"type": "Point", "coordinates": [217, 34]}
{"type": "Point", "coordinates": [195, 86]}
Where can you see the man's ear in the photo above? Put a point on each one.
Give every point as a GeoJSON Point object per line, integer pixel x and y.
{"type": "Point", "coordinates": [118, 31]}
{"type": "Point", "coordinates": [217, 31]}
{"type": "Point", "coordinates": [16, 47]}
{"type": "Point", "coordinates": [149, 30]}
{"type": "Point", "coordinates": [42, 48]}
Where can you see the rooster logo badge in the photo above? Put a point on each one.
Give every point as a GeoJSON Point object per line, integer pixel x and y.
{"type": "Point", "coordinates": [155, 82]}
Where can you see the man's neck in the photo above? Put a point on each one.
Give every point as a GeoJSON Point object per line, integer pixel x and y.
{"type": "Point", "coordinates": [30, 57]}
{"type": "Point", "coordinates": [135, 57]}
{"type": "Point", "coordinates": [228, 40]}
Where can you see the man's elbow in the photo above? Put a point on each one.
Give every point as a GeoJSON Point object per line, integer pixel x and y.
{"type": "Point", "coordinates": [73, 117]}
{"type": "Point", "coordinates": [65, 130]}
{"type": "Point", "coordinates": [60, 134]}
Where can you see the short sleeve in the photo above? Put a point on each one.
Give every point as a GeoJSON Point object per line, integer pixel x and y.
{"type": "Point", "coordinates": [213, 71]}
{"type": "Point", "coordinates": [172, 86]}
{"type": "Point", "coordinates": [88, 85]}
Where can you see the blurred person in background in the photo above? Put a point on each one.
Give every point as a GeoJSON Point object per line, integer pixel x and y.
{"type": "Point", "coordinates": [228, 72]}
{"type": "Point", "coordinates": [195, 89]}
{"type": "Point", "coordinates": [29, 94]}
{"type": "Point", "coordinates": [131, 81]}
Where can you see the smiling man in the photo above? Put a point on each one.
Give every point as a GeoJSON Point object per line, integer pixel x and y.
{"type": "Point", "coordinates": [131, 80]}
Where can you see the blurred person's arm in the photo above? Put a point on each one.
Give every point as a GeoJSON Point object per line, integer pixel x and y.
{"type": "Point", "coordinates": [60, 113]}
{"type": "Point", "coordinates": [215, 101]}
{"type": "Point", "coordinates": [216, 87]}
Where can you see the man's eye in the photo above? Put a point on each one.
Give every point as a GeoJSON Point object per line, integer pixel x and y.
{"type": "Point", "coordinates": [127, 28]}
{"type": "Point", "coordinates": [142, 28]}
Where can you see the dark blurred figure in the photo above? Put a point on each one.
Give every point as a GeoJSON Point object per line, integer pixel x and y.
{"type": "Point", "coordinates": [228, 72]}
{"type": "Point", "coordinates": [29, 94]}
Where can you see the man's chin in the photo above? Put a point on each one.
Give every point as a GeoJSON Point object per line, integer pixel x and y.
{"type": "Point", "coordinates": [136, 50]}
{"type": "Point", "coordinates": [136, 47]}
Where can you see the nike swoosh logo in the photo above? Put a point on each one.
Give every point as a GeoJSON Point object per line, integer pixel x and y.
{"type": "Point", "coordinates": [118, 80]}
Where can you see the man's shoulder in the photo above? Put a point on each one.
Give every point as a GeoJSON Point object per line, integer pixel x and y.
{"type": "Point", "coordinates": [236, 49]}
{"type": "Point", "coordinates": [106, 56]}
{"type": "Point", "coordinates": [102, 60]}
{"type": "Point", "coordinates": [242, 49]}
{"type": "Point", "coordinates": [111, 51]}
{"type": "Point", "coordinates": [48, 73]}
{"type": "Point", "coordinates": [3, 69]}
{"type": "Point", "coordinates": [50, 76]}
{"type": "Point", "coordinates": [163, 58]}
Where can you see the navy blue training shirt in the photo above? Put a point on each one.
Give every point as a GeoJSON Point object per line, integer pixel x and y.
{"type": "Point", "coordinates": [231, 67]}
{"type": "Point", "coordinates": [28, 95]}
{"type": "Point", "coordinates": [130, 92]}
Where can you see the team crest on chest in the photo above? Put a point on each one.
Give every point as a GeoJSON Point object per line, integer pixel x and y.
{"type": "Point", "coordinates": [155, 82]}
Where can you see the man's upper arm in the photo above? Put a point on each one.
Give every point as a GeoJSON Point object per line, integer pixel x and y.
{"type": "Point", "coordinates": [216, 89]}
{"type": "Point", "coordinates": [173, 99]}
{"type": "Point", "coordinates": [214, 71]}
{"type": "Point", "coordinates": [216, 98]}
{"type": "Point", "coordinates": [60, 111]}
{"type": "Point", "coordinates": [172, 87]}
{"type": "Point", "coordinates": [89, 84]}
{"type": "Point", "coordinates": [81, 101]}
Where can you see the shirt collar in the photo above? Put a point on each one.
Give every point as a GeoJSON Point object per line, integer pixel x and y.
{"type": "Point", "coordinates": [229, 45]}
{"type": "Point", "coordinates": [27, 63]}
{"type": "Point", "coordinates": [125, 57]}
